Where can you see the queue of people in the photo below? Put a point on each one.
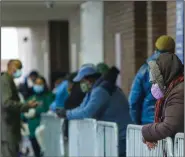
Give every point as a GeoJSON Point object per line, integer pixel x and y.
{"type": "Point", "coordinates": [156, 99]}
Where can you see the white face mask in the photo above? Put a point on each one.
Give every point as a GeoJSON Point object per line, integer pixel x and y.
{"type": "Point", "coordinates": [30, 83]}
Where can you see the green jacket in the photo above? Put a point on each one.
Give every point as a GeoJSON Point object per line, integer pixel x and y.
{"type": "Point", "coordinates": [45, 101]}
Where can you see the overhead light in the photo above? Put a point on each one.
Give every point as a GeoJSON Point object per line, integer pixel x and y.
{"type": "Point", "coordinates": [49, 4]}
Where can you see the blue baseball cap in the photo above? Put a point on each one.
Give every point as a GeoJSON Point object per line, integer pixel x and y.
{"type": "Point", "coordinates": [84, 72]}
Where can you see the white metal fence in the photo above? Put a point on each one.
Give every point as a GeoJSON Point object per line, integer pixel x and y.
{"type": "Point", "coordinates": [89, 137]}
{"type": "Point", "coordinates": [107, 139]}
{"type": "Point", "coordinates": [53, 138]}
{"type": "Point", "coordinates": [136, 148]}
{"type": "Point", "coordinates": [82, 135]}
{"type": "Point", "coordinates": [179, 145]}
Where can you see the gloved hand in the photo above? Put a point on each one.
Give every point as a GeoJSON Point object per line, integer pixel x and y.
{"type": "Point", "coordinates": [30, 114]}
{"type": "Point", "coordinates": [61, 112]}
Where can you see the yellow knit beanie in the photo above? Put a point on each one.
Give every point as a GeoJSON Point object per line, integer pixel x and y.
{"type": "Point", "coordinates": [165, 43]}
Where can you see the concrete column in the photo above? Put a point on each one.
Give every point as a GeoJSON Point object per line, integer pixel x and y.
{"type": "Point", "coordinates": [91, 14]}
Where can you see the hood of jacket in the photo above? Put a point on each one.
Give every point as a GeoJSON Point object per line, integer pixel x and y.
{"type": "Point", "coordinates": [166, 67]}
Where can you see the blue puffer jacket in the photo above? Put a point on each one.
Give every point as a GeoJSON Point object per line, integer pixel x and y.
{"type": "Point", "coordinates": [61, 96]}
{"type": "Point", "coordinates": [105, 104]}
{"type": "Point", "coordinates": [141, 101]}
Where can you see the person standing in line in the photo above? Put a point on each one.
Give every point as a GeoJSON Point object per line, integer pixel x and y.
{"type": "Point", "coordinates": [33, 117]}
{"type": "Point", "coordinates": [103, 101]}
{"type": "Point", "coordinates": [167, 78]}
{"type": "Point", "coordinates": [11, 107]}
{"type": "Point", "coordinates": [141, 101]}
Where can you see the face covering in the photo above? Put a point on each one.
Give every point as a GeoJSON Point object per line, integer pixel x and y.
{"type": "Point", "coordinates": [156, 92]}
{"type": "Point", "coordinates": [17, 74]}
{"type": "Point", "coordinates": [84, 87]}
{"type": "Point", "coordinates": [38, 88]}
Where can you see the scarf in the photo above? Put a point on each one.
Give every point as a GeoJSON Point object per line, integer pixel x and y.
{"type": "Point", "coordinates": [159, 104]}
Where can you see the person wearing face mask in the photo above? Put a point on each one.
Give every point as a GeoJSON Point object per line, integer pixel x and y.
{"type": "Point", "coordinates": [167, 78]}
{"type": "Point", "coordinates": [103, 101]}
{"type": "Point", "coordinates": [33, 117]}
{"type": "Point", "coordinates": [141, 101]}
{"type": "Point", "coordinates": [11, 108]}
{"type": "Point", "coordinates": [26, 88]}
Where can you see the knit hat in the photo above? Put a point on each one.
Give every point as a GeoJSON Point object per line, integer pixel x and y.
{"type": "Point", "coordinates": [165, 43]}
{"type": "Point", "coordinates": [102, 68]}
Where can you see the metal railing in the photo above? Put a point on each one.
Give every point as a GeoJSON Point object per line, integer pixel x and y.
{"type": "Point", "coordinates": [82, 138]}
{"type": "Point", "coordinates": [107, 139]}
{"type": "Point", "coordinates": [136, 147]}
{"type": "Point", "coordinates": [52, 136]}
{"type": "Point", "coordinates": [179, 145]}
{"type": "Point", "coordinates": [89, 137]}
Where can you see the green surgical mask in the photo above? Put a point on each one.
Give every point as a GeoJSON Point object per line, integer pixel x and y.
{"type": "Point", "coordinates": [84, 87]}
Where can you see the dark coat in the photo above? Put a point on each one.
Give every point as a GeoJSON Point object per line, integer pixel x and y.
{"type": "Point", "coordinates": [173, 107]}
{"type": "Point", "coordinates": [75, 98]}
{"type": "Point", "coordinates": [25, 90]}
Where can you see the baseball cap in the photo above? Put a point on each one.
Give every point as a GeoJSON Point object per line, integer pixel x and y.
{"type": "Point", "coordinates": [84, 72]}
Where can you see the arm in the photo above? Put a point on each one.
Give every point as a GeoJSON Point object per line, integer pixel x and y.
{"type": "Point", "coordinates": [61, 94]}
{"type": "Point", "coordinates": [97, 99]}
{"type": "Point", "coordinates": [136, 97]}
{"type": "Point", "coordinates": [45, 106]}
{"type": "Point", "coordinates": [7, 101]}
{"type": "Point", "coordinates": [173, 121]}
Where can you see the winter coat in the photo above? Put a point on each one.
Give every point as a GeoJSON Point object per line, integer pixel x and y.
{"type": "Point", "coordinates": [141, 101]}
{"type": "Point", "coordinates": [75, 98]}
{"type": "Point", "coordinates": [61, 96]}
{"type": "Point", "coordinates": [172, 118]}
{"type": "Point", "coordinates": [45, 100]}
{"type": "Point", "coordinates": [105, 103]}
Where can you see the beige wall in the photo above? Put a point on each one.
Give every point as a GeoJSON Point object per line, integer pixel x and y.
{"type": "Point", "coordinates": [139, 23]}
{"type": "Point", "coordinates": [119, 18]}
{"type": "Point", "coordinates": [171, 18]}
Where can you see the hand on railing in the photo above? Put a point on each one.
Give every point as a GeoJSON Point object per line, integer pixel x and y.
{"type": "Point", "coordinates": [61, 112]}
{"type": "Point", "coordinates": [150, 145]}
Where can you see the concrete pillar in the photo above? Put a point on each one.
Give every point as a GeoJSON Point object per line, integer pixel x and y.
{"type": "Point", "coordinates": [91, 14]}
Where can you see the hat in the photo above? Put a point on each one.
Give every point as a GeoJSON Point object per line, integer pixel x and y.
{"type": "Point", "coordinates": [84, 72]}
{"type": "Point", "coordinates": [102, 68]}
{"type": "Point", "coordinates": [165, 43]}
{"type": "Point", "coordinates": [155, 74]}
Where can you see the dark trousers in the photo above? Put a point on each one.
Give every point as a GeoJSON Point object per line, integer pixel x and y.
{"type": "Point", "coordinates": [36, 147]}
{"type": "Point", "coordinates": [66, 124]}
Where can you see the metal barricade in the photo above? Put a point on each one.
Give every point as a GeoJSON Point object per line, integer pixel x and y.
{"type": "Point", "coordinates": [136, 148]}
{"type": "Point", "coordinates": [179, 145]}
{"type": "Point", "coordinates": [107, 139]}
{"type": "Point", "coordinates": [53, 138]}
{"type": "Point", "coordinates": [82, 138]}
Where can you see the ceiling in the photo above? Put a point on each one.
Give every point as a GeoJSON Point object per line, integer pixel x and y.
{"type": "Point", "coordinates": [26, 10]}
{"type": "Point", "coordinates": [39, 4]}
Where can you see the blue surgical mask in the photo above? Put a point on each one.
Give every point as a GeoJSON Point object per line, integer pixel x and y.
{"type": "Point", "coordinates": [38, 88]}
{"type": "Point", "coordinates": [17, 74]}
